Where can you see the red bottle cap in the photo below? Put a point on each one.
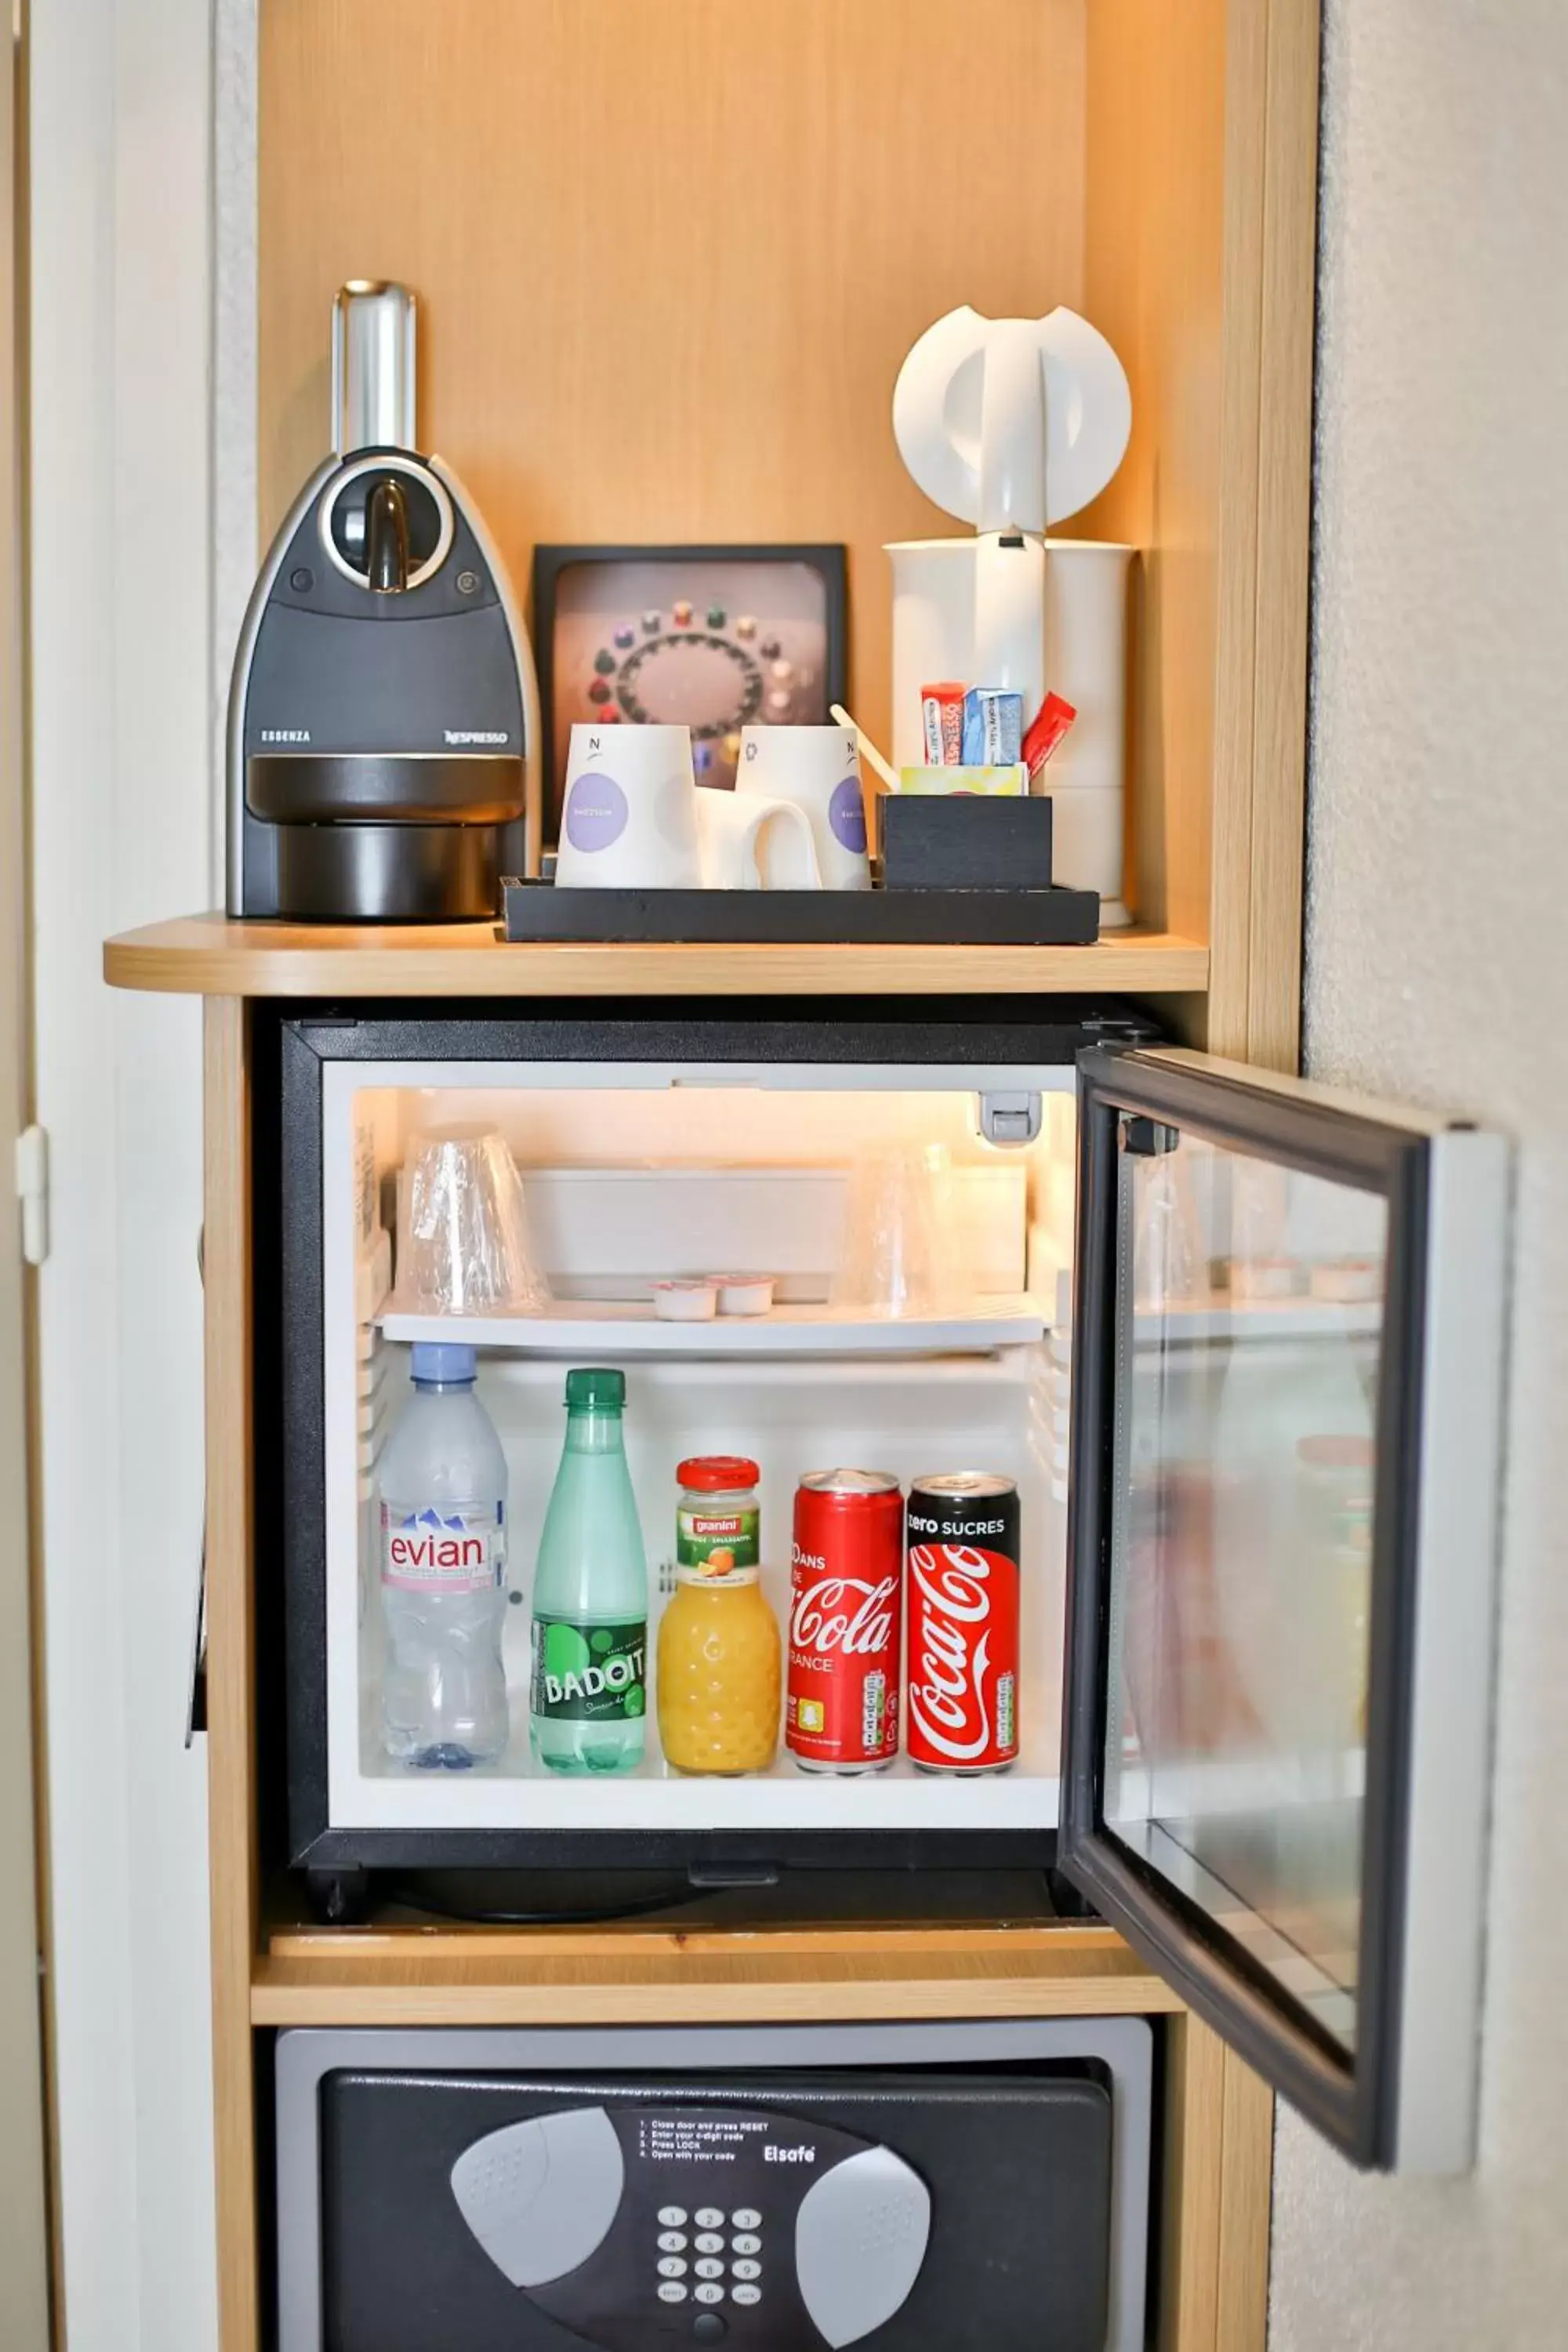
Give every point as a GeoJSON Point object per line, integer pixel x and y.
{"type": "Point", "coordinates": [718, 1473]}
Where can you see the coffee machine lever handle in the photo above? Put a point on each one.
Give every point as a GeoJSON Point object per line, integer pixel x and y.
{"type": "Point", "coordinates": [387, 539]}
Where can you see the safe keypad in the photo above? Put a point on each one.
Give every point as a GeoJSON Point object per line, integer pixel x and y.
{"type": "Point", "coordinates": [726, 2269]}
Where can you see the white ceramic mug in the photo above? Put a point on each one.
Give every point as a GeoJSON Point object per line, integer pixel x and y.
{"type": "Point", "coordinates": [629, 818]}
{"type": "Point", "coordinates": [818, 768]}
{"type": "Point", "coordinates": [752, 844]}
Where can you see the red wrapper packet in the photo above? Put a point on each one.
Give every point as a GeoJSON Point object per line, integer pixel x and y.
{"type": "Point", "coordinates": [941, 724]}
{"type": "Point", "coordinates": [1045, 731]}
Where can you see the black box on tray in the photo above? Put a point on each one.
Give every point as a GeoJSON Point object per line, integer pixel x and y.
{"type": "Point", "coordinates": [964, 841]}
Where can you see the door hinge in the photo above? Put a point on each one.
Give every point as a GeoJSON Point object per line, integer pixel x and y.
{"type": "Point", "coordinates": [33, 1191]}
{"type": "Point", "coordinates": [1010, 1119]}
{"type": "Point", "coordinates": [1147, 1138]}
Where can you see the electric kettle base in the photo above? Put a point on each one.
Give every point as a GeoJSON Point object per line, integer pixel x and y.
{"type": "Point", "coordinates": [389, 872]}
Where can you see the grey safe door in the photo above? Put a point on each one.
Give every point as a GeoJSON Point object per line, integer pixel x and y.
{"type": "Point", "coordinates": [1286, 1356]}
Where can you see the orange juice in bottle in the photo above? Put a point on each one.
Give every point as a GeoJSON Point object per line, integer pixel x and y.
{"type": "Point", "coordinates": [720, 1656]}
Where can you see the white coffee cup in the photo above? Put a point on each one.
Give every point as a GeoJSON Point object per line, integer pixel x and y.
{"type": "Point", "coordinates": [751, 844]}
{"type": "Point", "coordinates": [818, 768]}
{"type": "Point", "coordinates": [628, 820]}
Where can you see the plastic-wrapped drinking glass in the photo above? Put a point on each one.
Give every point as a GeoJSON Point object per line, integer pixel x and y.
{"type": "Point", "coordinates": [897, 1256]}
{"type": "Point", "coordinates": [463, 1240]}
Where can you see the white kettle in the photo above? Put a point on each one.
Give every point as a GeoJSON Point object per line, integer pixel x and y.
{"type": "Point", "coordinates": [1013, 424]}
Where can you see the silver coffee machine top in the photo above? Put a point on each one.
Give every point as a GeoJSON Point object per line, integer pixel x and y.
{"type": "Point", "coordinates": [383, 715]}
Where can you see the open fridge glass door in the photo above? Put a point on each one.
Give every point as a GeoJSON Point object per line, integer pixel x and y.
{"type": "Point", "coordinates": [1285, 1424]}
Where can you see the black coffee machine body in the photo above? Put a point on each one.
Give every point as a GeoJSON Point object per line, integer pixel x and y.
{"type": "Point", "coordinates": [383, 715]}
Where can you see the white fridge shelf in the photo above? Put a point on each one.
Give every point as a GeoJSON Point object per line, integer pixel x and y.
{"type": "Point", "coordinates": [618, 1327]}
{"type": "Point", "coordinates": [653, 1798]}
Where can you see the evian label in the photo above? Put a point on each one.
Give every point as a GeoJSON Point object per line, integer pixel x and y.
{"type": "Point", "coordinates": [964, 1657]}
{"type": "Point", "coordinates": [436, 1551]}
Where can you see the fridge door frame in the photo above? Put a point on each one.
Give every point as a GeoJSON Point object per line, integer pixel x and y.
{"type": "Point", "coordinates": [293, 1046]}
{"type": "Point", "coordinates": [1407, 2101]}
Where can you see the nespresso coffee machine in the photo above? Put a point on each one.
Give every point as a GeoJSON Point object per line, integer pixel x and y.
{"type": "Point", "coordinates": [383, 717]}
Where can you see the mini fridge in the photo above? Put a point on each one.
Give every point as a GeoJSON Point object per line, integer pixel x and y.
{"type": "Point", "coordinates": [1234, 1338]}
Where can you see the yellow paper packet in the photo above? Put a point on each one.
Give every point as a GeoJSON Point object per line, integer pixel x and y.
{"type": "Point", "coordinates": [992, 784]}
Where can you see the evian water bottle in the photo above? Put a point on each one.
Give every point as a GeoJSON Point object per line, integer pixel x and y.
{"type": "Point", "coordinates": [841, 1707]}
{"type": "Point", "coordinates": [443, 1570]}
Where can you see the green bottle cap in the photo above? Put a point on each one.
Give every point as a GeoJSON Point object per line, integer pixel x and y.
{"type": "Point", "coordinates": [600, 1387]}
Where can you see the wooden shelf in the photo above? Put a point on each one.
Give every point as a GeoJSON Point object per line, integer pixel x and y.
{"type": "Point", "coordinates": [441, 1975]}
{"type": "Point", "coordinates": [208, 955]}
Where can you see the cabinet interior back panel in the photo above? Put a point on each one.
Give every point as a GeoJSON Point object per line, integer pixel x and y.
{"type": "Point", "coordinates": [670, 256]}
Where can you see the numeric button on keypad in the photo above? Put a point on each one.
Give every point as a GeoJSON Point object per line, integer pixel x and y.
{"type": "Point", "coordinates": [744, 2270]}
{"type": "Point", "coordinates": [671, 2266]}
{"type": "Point", "coordinates": [670, 2292]}
{"type": "Point", "coordinates": [709, 2292]}
{"type": "Point", "coordinates": [744, 2217]}
{"type": "Point", "coordinates": [710, 2218]}
{"type": "Point", "coordinates": [746, 2294]}
{"type": "Point", "coordinates": [709, 2269]}
{"type": "Point", "coordinates": [672, 2241]}
{"type": "Point", "coordinates": [710, 2242]}
{"type": "Point", "coordinates": [746, 2243]}
{"type": "Point", "coordinates": [672, 2217]}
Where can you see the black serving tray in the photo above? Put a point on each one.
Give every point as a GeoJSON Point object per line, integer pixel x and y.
{"type": "Point", "coordinates": [1052, 918]}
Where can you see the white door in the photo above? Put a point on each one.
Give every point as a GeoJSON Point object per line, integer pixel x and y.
{"type": "Point", "coordinates": [24, 2245]}
{"type": "Point", "coordinates": [120, 210]}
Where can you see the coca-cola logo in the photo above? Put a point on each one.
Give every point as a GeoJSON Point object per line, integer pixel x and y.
{"type": "Point", "coordinates": [844, 1614]}
{"type": "Point", "coordinates": [947, 1677]}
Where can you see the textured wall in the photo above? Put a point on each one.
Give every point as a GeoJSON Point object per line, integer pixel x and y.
{"type": "Point", "coordinates": [1437, 970]}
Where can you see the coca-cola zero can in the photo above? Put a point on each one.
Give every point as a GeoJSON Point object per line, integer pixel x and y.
{"type": "Point", "coordinates": [841, 1707]}
{"type": "Point", "coordinates": [963, 1623]}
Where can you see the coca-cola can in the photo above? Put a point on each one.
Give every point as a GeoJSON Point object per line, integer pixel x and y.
{"type": "Point", "coordinates": [846, 1609]}
{"type": "Point", "coordinates": [963, 1594]}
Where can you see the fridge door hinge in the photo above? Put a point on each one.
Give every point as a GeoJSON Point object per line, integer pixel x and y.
{"type": "Point", "coordinates": [1010, 1118]}
{"type": "Point", "coordinates": [1147, 1138]}
{"type": "Point", "coordinates": [33, 1191]}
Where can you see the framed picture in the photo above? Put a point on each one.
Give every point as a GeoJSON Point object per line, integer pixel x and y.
{"type": "Point", "coordinates": [714, 638]}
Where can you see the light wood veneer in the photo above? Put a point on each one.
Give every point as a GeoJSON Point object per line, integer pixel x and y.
{"type": "Point", "coordinates": [206, 955]}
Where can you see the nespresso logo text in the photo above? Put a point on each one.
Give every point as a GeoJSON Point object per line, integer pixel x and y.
{"type": "Point", "coordinates": [475, 735]}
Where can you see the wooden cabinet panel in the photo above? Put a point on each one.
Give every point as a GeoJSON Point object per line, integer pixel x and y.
{"type": "Point", "coordinates": [670, 259]}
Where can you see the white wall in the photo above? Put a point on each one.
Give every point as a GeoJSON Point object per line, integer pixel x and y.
{"type": "Point", "coordinates": [121, 216]}
{"type": "Point", "coordinates": [1437, 962]}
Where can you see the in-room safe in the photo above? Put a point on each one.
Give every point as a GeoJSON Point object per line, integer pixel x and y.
{"type": "Point", "coordinates": [981, 2187]}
